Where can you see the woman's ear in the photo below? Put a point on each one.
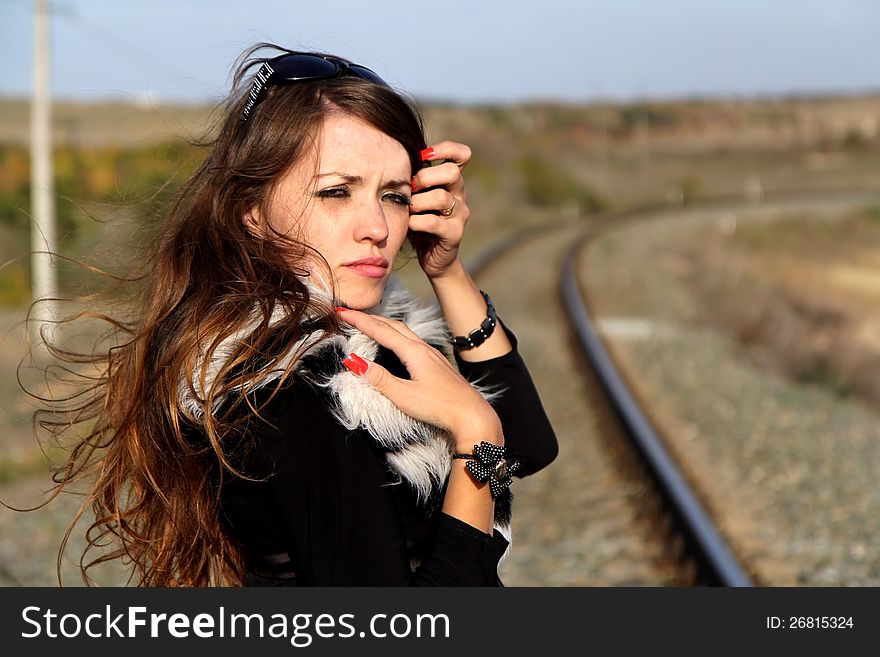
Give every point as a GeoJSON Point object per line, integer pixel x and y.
{"type": "Point", "coordinates": [253, 222]}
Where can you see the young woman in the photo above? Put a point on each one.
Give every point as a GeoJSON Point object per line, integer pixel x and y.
{"type": "Point", "coordinates": [282, 412]}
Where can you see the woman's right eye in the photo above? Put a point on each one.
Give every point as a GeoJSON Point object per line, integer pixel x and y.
{"type": "Point", "coordinates": [333, 192]}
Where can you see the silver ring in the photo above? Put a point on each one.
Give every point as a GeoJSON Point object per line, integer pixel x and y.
{"type": "Point", "coordinates": [448, 211]}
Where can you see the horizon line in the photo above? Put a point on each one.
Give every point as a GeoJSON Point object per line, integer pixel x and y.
{"type": "Point", "coordinates": [148, 100]}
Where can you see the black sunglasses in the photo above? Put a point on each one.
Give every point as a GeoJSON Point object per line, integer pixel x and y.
{"type": "Point", "coordinates": [302, 67]}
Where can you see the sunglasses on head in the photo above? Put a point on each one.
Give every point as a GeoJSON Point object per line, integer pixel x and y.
{"type": "Point", "coordinates": [302, 67]}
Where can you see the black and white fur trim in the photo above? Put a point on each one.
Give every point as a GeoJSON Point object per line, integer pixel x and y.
{"type": "Point", "coordinates": [418, 453]}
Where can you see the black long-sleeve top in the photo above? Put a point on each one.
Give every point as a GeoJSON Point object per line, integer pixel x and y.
{"type": "Point", "coordinates": [322, 509]}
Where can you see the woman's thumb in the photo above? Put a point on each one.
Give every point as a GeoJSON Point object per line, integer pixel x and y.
{"type": "Point", "coordinates": [380, 378]}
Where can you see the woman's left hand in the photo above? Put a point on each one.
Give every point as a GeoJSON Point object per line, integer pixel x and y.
{"type": "Point", "coordinates": [439, 205]}
{"type": "Point", "coordinates": [435, 392]}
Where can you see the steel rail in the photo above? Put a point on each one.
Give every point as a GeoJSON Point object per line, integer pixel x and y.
{"type": "Point", "coordinates": [716, 563]}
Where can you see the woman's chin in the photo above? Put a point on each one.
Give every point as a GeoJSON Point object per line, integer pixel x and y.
{"type": "Point", "coordinates": [362, 297]}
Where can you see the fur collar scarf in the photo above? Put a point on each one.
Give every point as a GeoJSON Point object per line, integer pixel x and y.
{"type": "Point", "coordinates": [417, 454]}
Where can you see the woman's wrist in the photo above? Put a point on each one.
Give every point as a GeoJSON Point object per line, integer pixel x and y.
{"type": "Point", "coordinates": [467, 446]}
{"type": "Point", "coordinates": [465, 309]}
{"type": "Point", "coordinates": [455, 270]}
{"type": "Point", "coordinates": [472, 432]}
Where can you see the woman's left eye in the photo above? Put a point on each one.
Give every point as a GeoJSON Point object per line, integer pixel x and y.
{"type": "Point", "coordinates": [395, 197]}
{"type": "Point", "coordinates": [333, 192]}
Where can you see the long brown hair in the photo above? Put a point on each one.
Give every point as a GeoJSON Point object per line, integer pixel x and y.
{"type": "Point", "coordinates": [153, 488]}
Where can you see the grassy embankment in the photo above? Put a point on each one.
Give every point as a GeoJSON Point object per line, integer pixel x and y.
{"type": "Point", "coordinates": [802, 293]}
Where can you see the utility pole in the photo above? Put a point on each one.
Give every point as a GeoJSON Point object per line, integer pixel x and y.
{"type": "Point", "coordinates": [44, 275]}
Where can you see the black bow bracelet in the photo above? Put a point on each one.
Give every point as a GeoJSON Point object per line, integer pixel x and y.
{"type": "Point", "coordinates": [488, 463]}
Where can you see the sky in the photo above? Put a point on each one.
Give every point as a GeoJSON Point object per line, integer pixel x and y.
{"type": "Point", "coordinates": [466, 51]}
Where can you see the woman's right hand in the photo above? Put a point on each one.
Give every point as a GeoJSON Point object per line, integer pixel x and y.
{"type": "Point", "coordinates": [435, 393]}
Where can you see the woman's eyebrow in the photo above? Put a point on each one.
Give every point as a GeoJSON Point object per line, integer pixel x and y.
{"type": "Point", "coordinates": [399, 183]}
{"type": "Point", "coordinates": [354, 180]}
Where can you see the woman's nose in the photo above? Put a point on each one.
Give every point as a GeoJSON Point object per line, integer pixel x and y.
{"type": "Point", "coordinates": [371, 223]}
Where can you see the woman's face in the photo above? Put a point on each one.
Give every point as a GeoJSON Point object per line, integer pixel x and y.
{"type": "Point", "coordinates": [349, 199]}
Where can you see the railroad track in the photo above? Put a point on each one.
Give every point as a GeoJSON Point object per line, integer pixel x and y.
{"type": "Point", "coordinates": [700, 541]}
{"type": "Point", "coordinates": [646, 526]}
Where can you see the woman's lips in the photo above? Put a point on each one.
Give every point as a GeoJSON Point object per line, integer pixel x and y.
{"type": "Point", "coordinates": [369, 267]}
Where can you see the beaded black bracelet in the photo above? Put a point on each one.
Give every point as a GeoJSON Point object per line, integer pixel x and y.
{"type": "Point", "coordinates": [490, 463]}
{"type": "Point", "coordinates": [480, 334]}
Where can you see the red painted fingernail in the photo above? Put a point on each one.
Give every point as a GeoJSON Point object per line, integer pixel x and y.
{"type": "Point", "coordinates": [412, 182]}
{"type": "Point", "coordinates": [356, 364]}
{"type": "Point", "coordinates": [428, 153]}
{"type": "Point", "coordinates": [341, 309]}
